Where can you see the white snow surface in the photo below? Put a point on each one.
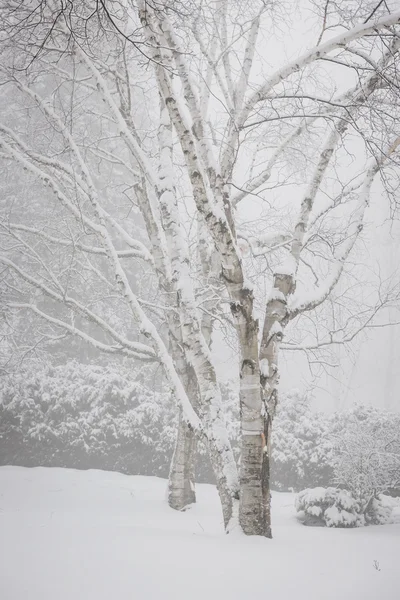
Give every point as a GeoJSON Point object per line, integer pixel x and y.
{"type": "Point", "coordinates": [96, 535]}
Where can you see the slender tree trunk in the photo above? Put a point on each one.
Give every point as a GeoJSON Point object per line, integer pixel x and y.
{"type": "Point", "coordinates": [181, 481]}
{"type": "Point", "coordinates": [182, 474]}
{"type": "Point", "coordinates": [181, 486]}
{"type": "Point", "coordinates": [228, 494]}
{"type": "Point", "coordinates": [266, 478]}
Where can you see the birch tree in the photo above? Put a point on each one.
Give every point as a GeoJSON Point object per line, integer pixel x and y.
{"type": "Point", "coordinates": [179, 102]}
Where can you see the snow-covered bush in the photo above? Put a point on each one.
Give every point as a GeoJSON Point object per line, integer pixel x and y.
{"type": "Point", "coordinates": [378, 511]}
{"type": "Point", "coordinates": [333, 507]}
{"type": "Point", "coordinates": [301, 451]}
{"type": "Point", "coordinates": [113, 417]}
{"type": "Point", "coordinates": [365, 458]}
{"type": "Point", "coordinates": [86, 416]}
{"type": "Point", "coordinates": [108, 417]}
{"type": "Point", "coordinates": [329, 506]}
{"type": "Point", "coordinates": [366, 451]}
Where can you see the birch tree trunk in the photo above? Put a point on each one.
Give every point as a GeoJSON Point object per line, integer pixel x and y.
{"type": "Point", "coordinates": [254, 512]}
{"type": "Point", "coordinates": [181, 484]}
{"type": "Point", "coordinates": [181, 487]}
{"type": "Point", "coordinates": [181, 480]}
{"type": "Point", "coordinates": [254, 465]}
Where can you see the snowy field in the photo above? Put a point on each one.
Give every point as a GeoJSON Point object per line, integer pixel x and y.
{"type": "Point", "coordinates": [93, 535]}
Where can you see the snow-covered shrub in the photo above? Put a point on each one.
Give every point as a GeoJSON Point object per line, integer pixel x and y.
{"type": "Point", "coordinates": [114, 417]}
{"type": "Point", "coordinates": [379, 511]}
{"type": "Point", "coordinates": [301, 451]}
{"type": "Point", "coordinates": [329, 507]}
{"type": "Point", "coordinates": [357, 449]}
{"type": "Point", "coordinates": [86, 416]}
{"type": "Point", "coordinates": [366, 456]}
{"type": "Point", "coordinates": [333, 507]}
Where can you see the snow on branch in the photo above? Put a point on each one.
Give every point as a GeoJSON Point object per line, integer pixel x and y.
{"type": "Point", "coordinates": [208, 204]}
{"type": "Point", "coordinates": [261, 245]}
{"type": "Point", "coordinates": [122, 349]}
{"type": "Point", "coordinates": [124, 130]}
{"type": "Point", "coordinates": [132, 253]}
{"type": "Point", "coordinates": [76, 306]}
{"type": "Point", "coordinates": [342, 101]}
{"type": "Point", "coordinates": [302, 302]}
{"type": "Point", "coordinates": [339, 41]}
{"type": "Point", "coordinates": [364, 90]}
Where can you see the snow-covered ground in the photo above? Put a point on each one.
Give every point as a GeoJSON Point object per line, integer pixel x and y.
{"type": "Point", "coordinates": [94, 535]}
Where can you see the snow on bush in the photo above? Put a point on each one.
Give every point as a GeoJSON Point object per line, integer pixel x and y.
{"type": "Point", "coordinates": [86, 416]}
{"type": "Point", "coordinates": [366, 451]}
{"type": "Point", "coordinates": [301, 450]}
{"type": "Point", "coordinates": [329, 506]}
{"type": "Point", "coordinates": [379, 511]}
{"type": "Point", "coordinates": [365, 457]}
{"type": "Point", "coordinates": [333, 507]}
{"type": "Point", "coordinates": [118, 418]}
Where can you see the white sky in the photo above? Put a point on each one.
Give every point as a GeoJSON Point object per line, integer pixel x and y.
{"type": "Point", "coordinates": [371, 374]}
